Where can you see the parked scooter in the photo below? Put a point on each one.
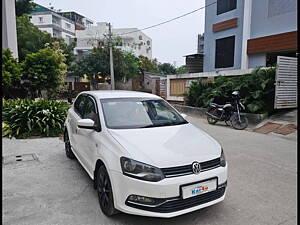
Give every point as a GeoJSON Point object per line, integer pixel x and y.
{"type": "Point", "coordinates": [230, 113]}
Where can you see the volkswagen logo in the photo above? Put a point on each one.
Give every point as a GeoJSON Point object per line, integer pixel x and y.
{"type": "Point", "coordinates": [196, 167]}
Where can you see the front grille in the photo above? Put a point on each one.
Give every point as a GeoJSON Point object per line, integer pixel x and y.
{"type": "Point", "coordinates": [185, 170]}
{"type": "Point", "coordinates": [181, 204]}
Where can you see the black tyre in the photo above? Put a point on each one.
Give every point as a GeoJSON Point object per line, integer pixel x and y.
{"type": "Point", "coordinates": [105, 194]}
{"type": "Point", "coordinates": [210, 119]}
{"type": "Point", "coordinates": [68, 148]}
{"type": "Point", "coordinates": [237, 124]}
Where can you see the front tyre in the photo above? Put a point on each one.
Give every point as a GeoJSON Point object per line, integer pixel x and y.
{"type": "Point", "coordinates": [68, 148]}
{"type": "Point", "coordinates": [105, 194]}
{"type": "Point", "coordinates": [239, 124]}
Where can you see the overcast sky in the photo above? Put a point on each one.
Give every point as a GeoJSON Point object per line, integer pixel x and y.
{"type": "Point", "coordinates": [170, 42]}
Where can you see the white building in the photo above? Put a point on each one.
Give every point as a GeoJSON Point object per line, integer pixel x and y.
{"type": "Point", "coordinates": [58, 24]}
{"type": "Point", "coordinates": [135, 41]}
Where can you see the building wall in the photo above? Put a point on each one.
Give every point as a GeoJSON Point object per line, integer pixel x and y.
{"type": "Point", "coordinates": [210, 37]}
{"type": "Point", "coordinates": [9, 32]}
{"type": "Point", "coordinates": [273, 17]}
{"type": "Point", "coordinates": [46, 19]}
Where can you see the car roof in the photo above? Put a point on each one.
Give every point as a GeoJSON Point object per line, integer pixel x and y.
{"type": "Point", "coordinates": [102, 94]}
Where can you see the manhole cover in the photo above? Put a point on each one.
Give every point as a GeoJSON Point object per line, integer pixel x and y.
{"type": "Point", "coordinates": [12, 159]}
{"type": "Point", "coordinates": [267, 128]}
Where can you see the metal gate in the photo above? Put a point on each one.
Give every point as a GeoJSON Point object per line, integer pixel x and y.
{"type": "Point", "coordinates": [286, 83]}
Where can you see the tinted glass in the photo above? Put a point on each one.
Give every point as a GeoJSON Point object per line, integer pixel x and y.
{"type": "Point", "coordinates": [79, 105]}
{"type": "Point", "coordinates": [225, 6]}
{"type": "Point", "coordinates": [225, 52]}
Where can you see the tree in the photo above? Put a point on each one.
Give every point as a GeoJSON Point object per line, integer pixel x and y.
{"type": "Point", "coordinates": [182, 69]}
{"type": "Point", "coordinates": [11, 70]}
{"type": "Point", "coordinates": [167, 68]}
{"type": "Point", "coordinates": [97, 62]}
{"type": "Point", "coordinates": [24, 7]}
{"type": "Point", "coordinates": [148, 65]}
{"type": "Point", "coordinates": [68, 49]}
{"type": "Point", "coordinates": [44, 69]}
{"type": "Point", "coordinates": [30, 38]}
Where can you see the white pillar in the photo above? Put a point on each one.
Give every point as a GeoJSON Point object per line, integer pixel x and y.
{"type": "Point", "coordinates": [9, 32]}
{"type": "Point", "coordinates": [246, 32]}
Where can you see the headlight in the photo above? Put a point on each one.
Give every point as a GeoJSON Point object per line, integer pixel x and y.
{"type": "Point", "coordinates": [222, 159]}
{"type": "Point", "coordinates": [140, 170]}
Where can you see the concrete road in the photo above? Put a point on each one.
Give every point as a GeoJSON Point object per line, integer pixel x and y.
{"type": "Point", "coordinates": [55, 190]}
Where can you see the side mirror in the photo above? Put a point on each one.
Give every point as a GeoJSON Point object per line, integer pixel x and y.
{"type": "Point", "coordinates": [86, 124]}
{"type": "Point", "coordinates": [183, 115]}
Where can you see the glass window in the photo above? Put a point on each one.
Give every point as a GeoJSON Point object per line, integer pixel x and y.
{"type": "Point", "coordinates": [40, 19]}
{"type": "Point", "coordinates": [224, 6]}
{"type": "Point", "coordinates": [140, 37]}
{"type": "Point", "coordinates": [225, 52]}
{"type": "Point", "coordinates": [129, 113]}
{"type": "Point", "coordinates": [79, 105]}
{"type": "Point", "coordinates": [89, 110]}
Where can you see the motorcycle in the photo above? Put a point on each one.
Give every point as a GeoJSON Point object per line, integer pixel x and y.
{"type": "Point", "coordinates": [230, 113]}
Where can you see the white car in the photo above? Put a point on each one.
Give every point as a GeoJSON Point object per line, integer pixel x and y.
{"type": "Point", "coordinates": [144, 157]}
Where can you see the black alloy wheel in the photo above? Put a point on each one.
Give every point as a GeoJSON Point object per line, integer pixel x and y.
{"type": "Point", "coordinates": [68, 148]}
{"type": "Point", "coordinates": [239, 124]}
{"type": "Point", "coordinates": [105, 194]}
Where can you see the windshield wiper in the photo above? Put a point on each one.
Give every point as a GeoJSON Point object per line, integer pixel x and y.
{"type": "Point", "coordinates": [164, 124]}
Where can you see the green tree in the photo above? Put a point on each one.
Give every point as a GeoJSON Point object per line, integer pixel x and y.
{"type": "Point", "coordinates": [97, 62]}
{"type": "Point", "coordinates": [11, 70]}
{"type": "Point", "coordinates": [30, 38]}
{"type": "Point", "coordinates": [44, 69]}
{"type": "Point", "coordinates": [23, 7]}
{"type": "Point", "coordinates": [148, 65]}
{"type": "Point", "coordinates": [68, 49]}
{"type": "Point", "coordinates": [167, 68]}
{"type": "Point", "coordinates": [182, 69]}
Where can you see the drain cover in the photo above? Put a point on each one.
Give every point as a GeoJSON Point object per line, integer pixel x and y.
{"type": "Point", "coordinates": [12, 159]}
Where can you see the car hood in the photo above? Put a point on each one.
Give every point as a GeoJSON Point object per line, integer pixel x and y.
{"type": "Point", "coordinates": [168, 146]}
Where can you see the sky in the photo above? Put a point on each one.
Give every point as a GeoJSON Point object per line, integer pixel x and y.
{"type": "Point", "coordinates": [170, 42]}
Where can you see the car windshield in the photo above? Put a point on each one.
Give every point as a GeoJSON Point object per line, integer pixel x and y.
{"type": "Point", "coordinates": [129, 113]}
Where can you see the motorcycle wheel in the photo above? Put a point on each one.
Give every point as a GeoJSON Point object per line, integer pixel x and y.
{"type": "Point", "coordinates": [210, 119]}
{"type": "Point", "coordinates": [236, 124]}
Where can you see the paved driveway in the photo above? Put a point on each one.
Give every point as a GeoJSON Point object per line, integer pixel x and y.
{"type": "Point", "coordinates": [56, 190]}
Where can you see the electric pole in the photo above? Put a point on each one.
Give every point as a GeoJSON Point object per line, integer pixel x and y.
{"type": "Point", "coordinates": [112, 76]}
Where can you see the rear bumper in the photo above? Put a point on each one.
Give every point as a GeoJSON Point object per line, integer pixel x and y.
{"type": "Point", "coordinates": [169, 190]}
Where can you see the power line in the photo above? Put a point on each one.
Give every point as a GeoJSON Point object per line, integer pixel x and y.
{"type": "Point", "coordinates": [178, 17]}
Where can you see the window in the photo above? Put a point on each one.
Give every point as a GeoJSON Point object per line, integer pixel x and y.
{"type": "Point", "coordinates": [225, 52]}
{"type": "Point", "coordinates": [224, 6]}
{"type": "Point", "coordinates": [41, 19]}
{"type": "Point", "coordinates": [148, 42]}
{"type": "Point", "coordinates": [140, 37]}
{"type": "Point", "coordinates": [68, 26]}
{"type": "Point", "coordinates": [79, 105]}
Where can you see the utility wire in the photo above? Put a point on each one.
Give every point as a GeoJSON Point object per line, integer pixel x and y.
{"type": "Point", "coordinates": [178, 17]}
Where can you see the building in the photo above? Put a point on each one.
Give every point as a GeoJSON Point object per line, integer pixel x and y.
{"type": "Point", "coordinates": [9, 32]}
{"type": "Point", "coordinates": [129, 39]}
{"type": "Point", "coordinates": [58, 24]}
{"type": "Point", "coordinates": [243, 34]}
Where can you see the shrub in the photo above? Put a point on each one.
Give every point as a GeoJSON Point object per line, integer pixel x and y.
{"type": "Point", "coordinates": [26, 117]}
{"type": "Point", "coordinates": [257, 90]}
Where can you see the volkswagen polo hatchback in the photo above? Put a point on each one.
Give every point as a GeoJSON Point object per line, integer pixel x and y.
{"type": "Point", "coordinates": [143, 156]}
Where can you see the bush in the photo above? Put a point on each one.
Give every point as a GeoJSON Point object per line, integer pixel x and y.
{"type": "Point", "coordinates": [257, 90]}
{"type": "Point", "coordinates": [26, 117]}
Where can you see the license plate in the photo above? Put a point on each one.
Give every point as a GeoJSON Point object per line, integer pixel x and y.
{"type": "Point", "coordinates": [199, 188]}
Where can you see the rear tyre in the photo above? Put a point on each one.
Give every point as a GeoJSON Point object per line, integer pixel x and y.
{"type": "Point", "coordinates": [210, 119]}
{"type": "Point", "coordinates": [239, 125]}
{"type": "Point", "coordinates": [105, 194]}
{"type": "Point", "coordinates": [68, 148]}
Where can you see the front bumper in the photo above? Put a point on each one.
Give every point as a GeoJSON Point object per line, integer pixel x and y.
{"type": "Point", "coordinates": [167, 189]}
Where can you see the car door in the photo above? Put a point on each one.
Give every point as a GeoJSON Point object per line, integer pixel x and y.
{"type": "Point", "coordinates": [75, 114]}
{"type": "Point", "coordinates": [87, 137]}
